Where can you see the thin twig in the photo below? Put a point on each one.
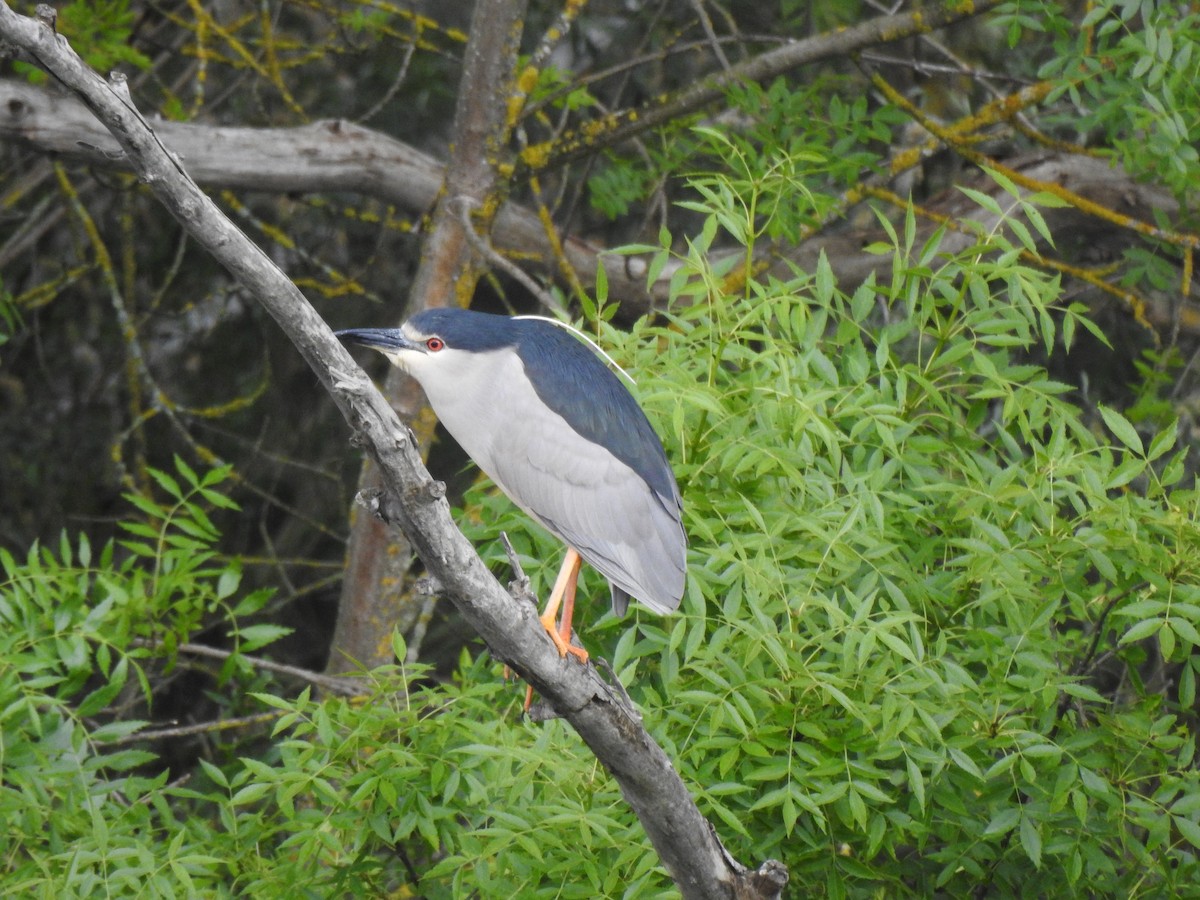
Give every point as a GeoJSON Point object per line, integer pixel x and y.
{"type": "Point", "coordinates": [346, 687]}
{"type": "Point", "coordinates": [464, 205]}
{"type": "Point", "coordinates": [179, 731]}
{"type": "Point", "coordinates": [397, 82]}
{"type": "Point", "coordinates": [714, 44]}
{"type": "Point", "coordinates": [519, 586]}
{"type": "Point", "coordinates": [432, 590]}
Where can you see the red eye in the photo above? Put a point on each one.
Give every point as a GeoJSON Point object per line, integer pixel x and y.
{"type": "Point", "coordinates": [434, 344]}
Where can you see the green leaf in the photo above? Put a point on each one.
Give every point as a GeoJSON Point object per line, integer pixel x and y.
{"type": "Point", "coordinates": [1031, 840]}
{"type": "Point", "coordinates": [228, 581]}
{"type": "Point", "coordinates": [250, 793]}
{"type": "Point", "coordinates": [253, 602]}
{"type": "Point", "coordinates": [1003, 821]}
{"type": "Point", "coordinates": [1163, 441]}
{"type": "Point", "coordinates": [256, 636]}
{"type": "Point", "coordinates": [214, 774]}
{"type": "Point", "coordinates": [1122, 429]}
{"type": "Point", "coordinates": [965, 763]}
{"type": "Point", "coordinates": [1084, 692]}
{"type": "Point", "coordinates": [1141, 630]}
{"type": "Point", "coordinates": [124, 760]}
{"type": "Point", "coordinates": [1125, 473]}
{"type": "Point", "coordinates": [273, 701]}
{"type": "Point", "coordinates": [985, 200]}
{"type": "Point", "coordinates": [1189, 829]}
{"type": "Point", "coordinates": [1166, 642]}
{"type": "Point", "coordinates": [189, 475]}
{"type": "Point", "coordinates": [1185, 630]}
{"type": "Point", "coordinates": [167, 483]}
{"type": "Point", "coordinates": [100, 698]}
{"type": "Point", "coordinates": [601, 289]}
{"type": "Point", "coordinates": [824, 279]}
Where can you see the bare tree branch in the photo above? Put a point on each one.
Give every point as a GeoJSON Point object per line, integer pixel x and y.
{"type": "Point", "coordinates": [685, 841]}
{"type": "Point", "coordinates": [621, 127]}
{"type": "Point", "coordinates": [345, 687]}
{"type": "Point", "coordinates": [326, 156]}
{"type": "Point", "coordinates": [179, 731]}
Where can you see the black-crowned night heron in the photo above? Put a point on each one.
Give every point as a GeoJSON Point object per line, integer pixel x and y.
{"type": "Point", "coordinates": [543, 416]}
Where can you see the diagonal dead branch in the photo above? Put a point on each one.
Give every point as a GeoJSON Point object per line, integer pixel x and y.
{"type": "Point", "coordinates": [620, 127]}
{"type": "Point", "coordinates": [683, 838]}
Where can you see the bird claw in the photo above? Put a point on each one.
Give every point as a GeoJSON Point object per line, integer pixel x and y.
{"type": "Point", "coordinates": [564, 647]}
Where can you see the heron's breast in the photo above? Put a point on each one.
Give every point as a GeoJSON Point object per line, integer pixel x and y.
{"type": "Point", "coordinates": [484, 405]}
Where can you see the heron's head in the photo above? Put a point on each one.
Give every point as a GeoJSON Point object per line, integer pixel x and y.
{"type": "Point", "coordinates": [438, 344]}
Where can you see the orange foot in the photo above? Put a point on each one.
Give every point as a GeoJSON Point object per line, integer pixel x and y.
{"type": "Point", "coordinates": [560, 631]}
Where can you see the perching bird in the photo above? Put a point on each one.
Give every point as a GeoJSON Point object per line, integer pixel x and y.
{"type": "Point", "coordinates": [561, 436]}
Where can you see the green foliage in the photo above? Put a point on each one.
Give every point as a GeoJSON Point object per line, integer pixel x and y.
{"type": "Point", "coordinates": [940, 631]}
{"type": "Point", "coordinates": [475, 801]}
{"type": "Point", "coordinates": [348, 797]}
{"type": "Point", "coordinates": [177, 577]}
{"type": "Point", "coordinates": [1135, 83]}
{"type": "Point", "coordinates": [556, 88]}
{"type": "Point", "coordinates": [102, 29]}
{"type": "Point", "coordinates": [83, 634]}
{"type": "Point", "coordinates": [824, 128]}
{"type": "Point", "coordinates": [365, 20]}
{"type": "Point", "coordinates": [101, 33]}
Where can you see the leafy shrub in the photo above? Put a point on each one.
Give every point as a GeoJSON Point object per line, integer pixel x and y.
{"type": "Point", "coordinates": [940, 632]}
{"type": "Point", "coordinates": [81, 816]}
{"type": "Point", "coordinates": [948, 635]}
{"type": "Point", "coordinates": [940, 629]}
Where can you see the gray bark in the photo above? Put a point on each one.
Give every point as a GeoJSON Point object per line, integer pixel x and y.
{"type": "Point", "coordinates": [334, 155]}
{"type": "Point", "coordinates": [331, 155]}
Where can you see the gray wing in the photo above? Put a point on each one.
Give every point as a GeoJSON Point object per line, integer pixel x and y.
{"type": "Point", "coordinates": [575, 488]}
{"type": "Point", "coordinates": [595, 503]}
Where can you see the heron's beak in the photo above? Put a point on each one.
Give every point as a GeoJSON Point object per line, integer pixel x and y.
{"type": "Point", "coordinates": [388, 341]}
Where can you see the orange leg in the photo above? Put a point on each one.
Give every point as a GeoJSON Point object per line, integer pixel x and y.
{"type": "Point", "coordinates": [568, 613]}
{"type": "Point", "coordinates": [564, 595]}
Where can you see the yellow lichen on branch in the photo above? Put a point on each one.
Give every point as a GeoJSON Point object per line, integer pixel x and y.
{"type": "Point", "coordinates": [1083, 204]}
